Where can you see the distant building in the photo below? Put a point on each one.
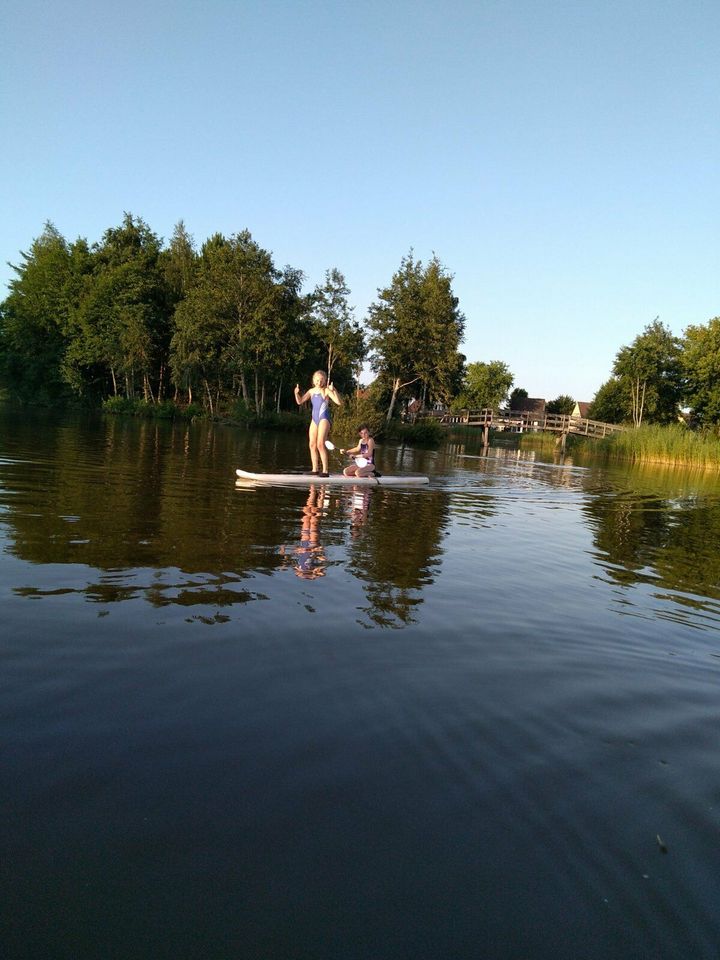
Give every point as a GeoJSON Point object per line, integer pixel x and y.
{"type": "Point", "coordinates": [581, 409]}
{"type": "Point", "coordinates": [413, 409]}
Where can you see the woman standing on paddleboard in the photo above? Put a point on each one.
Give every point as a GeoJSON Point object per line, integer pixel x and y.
{"type": "Point", "coordinates": [319, 395]}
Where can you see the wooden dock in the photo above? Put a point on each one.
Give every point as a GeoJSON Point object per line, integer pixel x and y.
{"type": "Point", "coordinates": [517, 421]}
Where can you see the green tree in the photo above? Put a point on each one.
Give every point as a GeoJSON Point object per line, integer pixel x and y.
{"type": "Point", "coordinates": [120, 329]}
{"type": "Point", "coordinates": [34, 319]}
{"type": "Point", "coordinates": [485, 386]}
{"type": "Point", "coordinates": [700, 362]}
{"type": "Point", "coordinates": [518, 394]}
{"type": "Point", "coordinates": [285, 321]}
{"type": "Point", "coordinates": [416, 329]}
{"type": "Point", "coordinates": [242, 326]}
{"type": "Point", "coordinates": [611, 403]}
{"type": "Point", "coordinates": [333, 324]}
{"type": "Point", "coordinates": [561, 404]}
{"type": "Point", "coordinates": [649, 369]}
{"type": "Point", "coordinates": [179, 263]}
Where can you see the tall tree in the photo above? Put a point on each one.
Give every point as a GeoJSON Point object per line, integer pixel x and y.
{"type": "Point", "coordinates": [518, 394]}
{"type": "Point", "coordinates": [611, 403]}
{"type": "Point", "coordinates": [333, 323]}
{"type": "Point", "coordinates": [34, 322]}
{"type": "Point", "coordinates": [236, 331]}
{"type": "Point", "coordinates": [700, 361]}
{"type": "Point", "coordinates": [121, 324]}
{"type": "Point", "coordinates": [180, 263]}
{"type": "Point", "coordinates": [416, 329]}
{"type": "Point", "coordinates": [561, 404]}
{"type": "Point", "coordinates": [485, 386]}
{"type": "Point", "coordinates": [649, 369]}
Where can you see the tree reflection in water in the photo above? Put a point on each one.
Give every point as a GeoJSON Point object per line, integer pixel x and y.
{"type": "Point", "coordinates": [394, 550]}
{"type": "Point", "coordinates": [664, 537]}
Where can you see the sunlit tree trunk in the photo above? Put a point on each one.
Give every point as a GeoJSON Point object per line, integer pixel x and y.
{"type": "Point", "coordinates": [210, 397]}
{"type": "Point", "coordinates": [397, 387]}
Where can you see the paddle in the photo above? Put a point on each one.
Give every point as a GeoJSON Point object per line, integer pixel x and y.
{"type": "Point", "coordinates": [360, 461]}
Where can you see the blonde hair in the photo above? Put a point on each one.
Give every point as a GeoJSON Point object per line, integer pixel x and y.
{"type": "Point", "coordinates": [323, 375]}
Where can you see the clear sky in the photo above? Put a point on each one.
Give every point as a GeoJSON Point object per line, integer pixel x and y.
{"type": "Point", "coordinates": [561, 157]}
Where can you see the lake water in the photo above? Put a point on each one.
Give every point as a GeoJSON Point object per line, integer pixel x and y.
{"type": "Point", "coordinates": [478, 719]}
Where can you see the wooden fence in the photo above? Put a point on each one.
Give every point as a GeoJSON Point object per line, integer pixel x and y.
{"type": "Point", "coordinates": [518, 421]}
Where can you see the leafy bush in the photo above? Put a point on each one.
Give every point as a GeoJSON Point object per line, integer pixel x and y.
{"type": "Point", "coordinates": [239, 410]}
{"type": "Point", "coordinates": [121, 405]}
{"type": "Point", "coordinates": [192, 411]}
{"type": "Point", "coordinates": [423, 432]}
{"type": "Point", "coordinates": [125, 406]}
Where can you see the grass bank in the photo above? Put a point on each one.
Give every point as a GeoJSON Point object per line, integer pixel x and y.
{"type": "Point", "coordinates": [165, 410]}
{"type": "Point", "coordinates": [346, 420]}
{"type": "Point", "coordinates": [674, 444]}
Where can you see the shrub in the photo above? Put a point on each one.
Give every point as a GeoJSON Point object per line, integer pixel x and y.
{"type": "Point", "coordinates": [423, 432]}
{"type": "Point", "coordinates": [121, 405]}
{"type": "Point", "coordinates": [192, 411]}
{"type": "Point", "coordinates": [126, 406]}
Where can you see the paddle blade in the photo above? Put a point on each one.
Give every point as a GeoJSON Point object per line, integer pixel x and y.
{"type": "Point", "coordinates": [361, 461]}
{"type": "Point", "coordinates": [329, 444]}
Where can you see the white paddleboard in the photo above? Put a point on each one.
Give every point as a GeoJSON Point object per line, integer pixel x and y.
{"type": "Point", "coordinates": [303, 479]}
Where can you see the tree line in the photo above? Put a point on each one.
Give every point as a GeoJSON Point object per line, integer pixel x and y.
{"type": "Point", "coordinates": [130, 316]}
{"type": "Point", "coordinates": [659, 375]}
{"type": "Point", "coordinates": [133, 317]}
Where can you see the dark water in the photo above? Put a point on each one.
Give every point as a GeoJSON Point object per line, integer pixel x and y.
{"type": "Point", "coordinates": [479, 719]}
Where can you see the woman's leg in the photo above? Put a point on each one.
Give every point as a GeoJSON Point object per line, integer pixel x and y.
{"type": "Point", "coordinates": [313, 441]}
{"type": "Point", "coordinates": [350, 470]}
{"type": "Point", "coordinates": [323, 432]}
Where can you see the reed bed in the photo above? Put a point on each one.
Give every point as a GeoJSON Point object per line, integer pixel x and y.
{"type": "Point", "coordinates": [674, 444]}
{"type": "Point", "coordinates": [538, 441]}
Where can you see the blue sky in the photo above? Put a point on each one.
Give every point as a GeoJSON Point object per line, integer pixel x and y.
{"type": "Point", "coordinates": [560, 158]}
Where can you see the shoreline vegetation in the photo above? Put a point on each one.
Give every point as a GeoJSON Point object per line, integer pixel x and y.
{"type": "Point", "coordinates": [671, 445]}
{"type": "Point", "coordinates": [667, 445]}
{"type": "Point", "coordinates": [141, 327]}
{"type": "Point", "coordinates": [239, 415]}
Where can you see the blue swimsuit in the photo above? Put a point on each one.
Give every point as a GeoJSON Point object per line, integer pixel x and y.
{"type": "Point", "coordinates": [319, 408]}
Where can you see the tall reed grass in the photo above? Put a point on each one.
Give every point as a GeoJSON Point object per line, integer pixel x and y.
{"type": "Point", "coordinates": [662, 444]}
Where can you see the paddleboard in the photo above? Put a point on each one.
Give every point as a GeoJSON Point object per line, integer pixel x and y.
{"type": "Point", "coordinates": [303, 479]}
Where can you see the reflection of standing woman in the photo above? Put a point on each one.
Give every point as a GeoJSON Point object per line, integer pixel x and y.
{"type": "Point", "coordinates": [319, 395]}
{"type": "Point", "coordinates": [310, 556]}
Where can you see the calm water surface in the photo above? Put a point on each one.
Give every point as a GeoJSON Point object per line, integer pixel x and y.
{"type": "Point", "coordinates": [478, 719]}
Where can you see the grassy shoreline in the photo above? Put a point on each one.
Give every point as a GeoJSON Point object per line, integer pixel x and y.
{"type": "Point", "coordinates": [345, 422]}
{"type": "Point", "coordinates": [673, 445]}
